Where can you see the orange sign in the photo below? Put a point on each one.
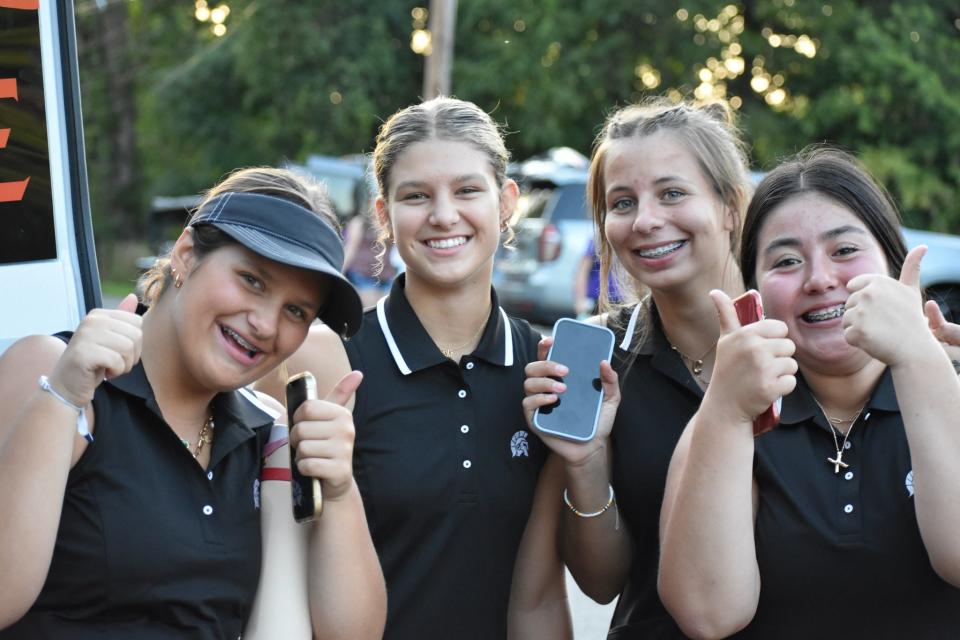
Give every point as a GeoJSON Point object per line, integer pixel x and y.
{"type": "Point", "coordinates": [10, 191]}
{"type": "Point", "coordinates": [27, 5]}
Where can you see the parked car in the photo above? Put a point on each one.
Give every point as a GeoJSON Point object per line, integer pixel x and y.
{"type": "Point", "coordinates": [534, 278]}
{"type": "Point", "coordinates": [348, 184]}
{"type": "Point", "coordinates": [553, 226]}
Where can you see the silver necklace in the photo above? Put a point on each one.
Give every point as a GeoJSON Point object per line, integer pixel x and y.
{"type": "Point", "coordinates": [837, 461]}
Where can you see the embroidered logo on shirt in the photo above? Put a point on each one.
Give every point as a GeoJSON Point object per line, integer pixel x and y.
{"type": "Point", "coordinates": [519, 445]}
{"type": "Point", "coordinates": [256, 493]}
{"type": "Point", "coordinates": [908, 481]}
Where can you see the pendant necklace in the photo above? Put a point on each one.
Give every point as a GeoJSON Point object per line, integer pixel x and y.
{"type": "Point", "coordinates": [449, 351]}
{"type": "Point", "coordinates": [204, 437]}
{"type": "Point", "coordinates": [837, 461]}
{"type": "Point", "coordinates": [696, 364]}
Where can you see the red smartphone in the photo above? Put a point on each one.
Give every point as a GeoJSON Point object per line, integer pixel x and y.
{"type": "Point", "coordinates": [750, 309]}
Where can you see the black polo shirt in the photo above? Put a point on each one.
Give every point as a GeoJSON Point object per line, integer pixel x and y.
{"type": "Point", "coordinates": [150, 545]}
{"type": "Point", "coordinates": [659, 396]}
{"type": "Point", "coordinates": [446, 467]}
{"type": "Point", "coordinates": [841, 554]}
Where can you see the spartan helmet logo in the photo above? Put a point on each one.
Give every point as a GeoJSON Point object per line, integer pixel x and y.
{"type": "Point", "coordinates": [519, 445]}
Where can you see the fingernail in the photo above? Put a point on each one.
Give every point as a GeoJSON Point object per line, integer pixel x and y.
{"type": "Point", "coordinates": [562, 370]}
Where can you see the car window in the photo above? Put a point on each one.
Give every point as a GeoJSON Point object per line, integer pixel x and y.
{"type": "Point", "coordinates": [571, 203]}
{"type": "Point", "coordinates": [532, 204]}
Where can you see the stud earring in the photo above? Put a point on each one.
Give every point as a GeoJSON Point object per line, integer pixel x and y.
{"type": "Point", "coordinates": [177, 280]}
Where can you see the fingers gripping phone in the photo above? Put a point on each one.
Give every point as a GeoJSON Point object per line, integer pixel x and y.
{"type": "Point", "coordinates": [749, 310]}
{"type": "Point", "coordinates": [305, 492]}
{"type": "Point", "coordinates": [581, 347]}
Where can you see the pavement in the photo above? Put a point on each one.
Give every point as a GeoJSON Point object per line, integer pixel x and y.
{"type": "Point", "coordinates": [590, 620]}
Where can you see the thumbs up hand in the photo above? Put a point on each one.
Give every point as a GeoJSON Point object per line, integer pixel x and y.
{"type": "Point", "coordinates": [884, 316]}
{"type": "Point", "coordinates": [106, 344]}
{"type": "Point", "coordinates": [754, 365]}
{"type": "Point", "coordinates": [322, 435]}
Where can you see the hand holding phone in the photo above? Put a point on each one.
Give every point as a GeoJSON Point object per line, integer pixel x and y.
{"type": "Point", "coordinates": [581, 347]}
{"type": "Point", "coordinates": [306, 493]}
{"type": "Point", "coordinates": [749, 309]}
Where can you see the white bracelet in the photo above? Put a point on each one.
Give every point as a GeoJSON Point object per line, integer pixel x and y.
{"type": "Point", "coordinates": [577, 512]}
{"type": "Point", "coordinates": [82, 427]}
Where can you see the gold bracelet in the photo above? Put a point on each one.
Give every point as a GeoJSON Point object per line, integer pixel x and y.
{"type": "Point", "coordinates": [581, 514]}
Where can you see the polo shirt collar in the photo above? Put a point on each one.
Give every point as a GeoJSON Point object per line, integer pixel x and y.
{"type": "Point", "coordinates": [237, 414]}
{"type": "Point", "coordinates": [656, 345]}
{"type": "Point", "coordinates": [413, 349]}
{"type": "Point", "coordinates": [799, 406]}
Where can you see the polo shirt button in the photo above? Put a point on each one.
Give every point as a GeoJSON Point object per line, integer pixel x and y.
{"type": "Point", "coordinates": [469, 366]}
{"type": "Point", "coordinates": [464, 429]}
{"type": "Point", "coordinates": [848, 475]}
{"type": "Point", "coordinates": [209, 475]}
{"type": "Point", "coordinates": [847, 444]}
{"type": "Point", "coordinates": [848, 508]}
{"type": "Point", "coordinates": [207, 510]}
{"type": "Point", "coordinates": [467, 464]}
{"type": "Point", "coordinates": [462, 393]}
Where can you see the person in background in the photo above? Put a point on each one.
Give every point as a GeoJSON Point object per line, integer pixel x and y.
{"type": "Point", "coordinates": [844, 517]}
{"type": "Point", "coordinates": [132, 468]}
{"type": "Point", "coordinates": [448, 470]}
{"type": "Point", "coordinates": [586, 285]}
{"type": "Point", "coordinates": [368, 273]}
{"type": "Point", "coordinates": [668, 185]}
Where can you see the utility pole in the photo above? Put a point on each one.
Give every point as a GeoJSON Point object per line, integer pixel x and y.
{"type": "Point", "coordinates": [438, 65]}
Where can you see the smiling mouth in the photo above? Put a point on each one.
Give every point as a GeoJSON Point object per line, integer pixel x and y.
{"type": "Point", "coordinates": [822, 315]}
{"type": "Point", "coordinates": [661, 251]}
{"type": "Point", "coordinates": [446, 243]}
{"type": "Point", "coordinates": [237, 338]}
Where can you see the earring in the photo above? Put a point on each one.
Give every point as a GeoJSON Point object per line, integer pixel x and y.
{"type": "Point", "coordinates": [177, 280]}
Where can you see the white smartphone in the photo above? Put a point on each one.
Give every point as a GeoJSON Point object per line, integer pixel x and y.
{"type": "Point", "coordinates": [581, 347]}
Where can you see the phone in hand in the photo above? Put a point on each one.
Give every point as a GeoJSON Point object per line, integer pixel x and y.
{"type": "Point", "coordinates": [581, 347]}
{"type": "Point", "coordinates": [749, 310]}
{"type": "Point", "coordinates": [305, 492]}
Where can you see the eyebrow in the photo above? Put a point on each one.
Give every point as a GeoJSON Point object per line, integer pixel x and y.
{"type": "Point", "coordinates": [420, 184]}
{"type": "Point", "coordinates": [657, 182]}
{"type": "Point", "coordinates": [826, 235]}
{"type": "Point", "coordinates": [269, 277]}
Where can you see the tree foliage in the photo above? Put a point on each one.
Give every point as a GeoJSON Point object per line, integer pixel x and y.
{"type": "Point", "coordinates": [292, 78]}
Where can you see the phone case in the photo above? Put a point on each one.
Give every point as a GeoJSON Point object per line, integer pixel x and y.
{"type": "Point", "coordinates": [305, 492]}
{"type": "Point", "coordinates": [749, 308]}
{"type": "Point", "coordinates": [581, 347]}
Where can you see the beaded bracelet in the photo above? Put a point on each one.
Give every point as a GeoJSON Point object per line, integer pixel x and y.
{"type": "Point", "coordinates": [82, 427]}
{"type": "Point", "coordinates": [581, 514]}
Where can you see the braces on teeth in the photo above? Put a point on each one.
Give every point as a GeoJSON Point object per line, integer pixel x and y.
{"type": "Point", "coordinates": [828, 314]}
{"type": "Point", "coordinates": [661, 251]}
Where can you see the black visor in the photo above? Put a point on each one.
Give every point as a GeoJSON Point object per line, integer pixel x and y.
{"type": "Point", "coordinates": [283, 231]}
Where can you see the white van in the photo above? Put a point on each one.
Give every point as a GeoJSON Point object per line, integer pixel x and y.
{"type": "Point", "coordinates": [48, 269]}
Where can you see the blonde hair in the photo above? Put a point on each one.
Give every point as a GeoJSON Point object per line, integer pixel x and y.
{"type": "Point", "coordinates": [442, 118]}
{"type": "Point", "coordinates": [296, 187]}
{"type": "Point", "coordinates": [708, 132]}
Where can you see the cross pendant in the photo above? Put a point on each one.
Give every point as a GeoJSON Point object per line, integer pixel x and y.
{"type": "Point", "coordinates": [838, 462]}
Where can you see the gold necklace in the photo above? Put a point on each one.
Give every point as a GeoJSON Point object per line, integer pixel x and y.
{"type": "Point", "coordinates": [696, 364]}
{"type": "Point", "coordinates": [449, 351]}
{"type": "Point", "coordinates": [837, 461]}
{"type": "Point", "coordinates": [204, 437]}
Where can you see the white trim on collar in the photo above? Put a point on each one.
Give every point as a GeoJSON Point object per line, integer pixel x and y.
{"type": "Point", "coordinates": [507, 340]}
{"type": "Point", "coordinates": [631, 327]}
{"type": "Point", "coordinates": [251, 396]}
{"type": "Point", "coordinates": [391, 343]}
